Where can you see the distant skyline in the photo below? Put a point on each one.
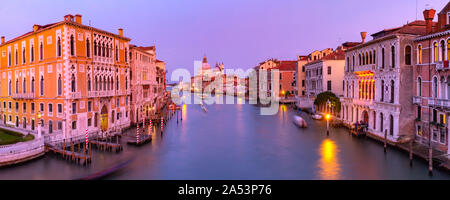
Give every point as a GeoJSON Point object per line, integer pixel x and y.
{"type": "Point", "coordinates": [238, 33]}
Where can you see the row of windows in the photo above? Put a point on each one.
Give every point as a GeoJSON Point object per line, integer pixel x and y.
{"type": "Point", "coordinates": [350, 117]}
{"type": "Point", "coordinates": [99, 50]}
{"type": "Point", "coordinates": [367, 90]}
{"type": "Point", "coordinates": [369, 57]}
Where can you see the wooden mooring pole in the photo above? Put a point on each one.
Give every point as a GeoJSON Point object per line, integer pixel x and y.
{"type": "Point", "coordinates": [430, 162]}
{"type": "Point", "coordinates": [385, 141]}
{"type": "Point", "coordinates": [411, 152]}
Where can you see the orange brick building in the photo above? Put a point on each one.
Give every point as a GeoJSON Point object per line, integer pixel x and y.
{"type": "Point", "coordinates": [75, 76]}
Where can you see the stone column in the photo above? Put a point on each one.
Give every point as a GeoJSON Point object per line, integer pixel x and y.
{"type": "Point", "coordinates": [39, 128]}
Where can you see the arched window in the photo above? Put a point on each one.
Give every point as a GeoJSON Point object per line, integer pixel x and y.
{"type": "Point", "coordinates": [9, 88]}
{"type": "Point", "coordinates": [16, 57]}
{"type": "Point", "coordinates": [32, 85]}
{"type": "Point", "coordinates": [24, 58]}
{"type": "Point", "coordinates": [104, 83]}
{"type": "Point", "coordinates": [374, 57]}
{"type": "Point", "coordinates": [448, 49]}
{"type": "Point", "coordinates": [382, 90]}
{"type": "Point", "coordinates": [41, 51]}
{"type": "Point", "coordinates": [363, 59]}
{"type": "Point", "coordinates": [353, 62]}
{"type": "Point", "coordinates": [381, 122]}
{"type": "Point", "coordinates": [42, 86]}
{"type": "Point", "coordinates": [72, 46]}
{"type": "Point", "coordinates": [59, 85]}
{"type": "Point", "coordinates": [9, 59]}
{"type": "Point", "coordinates": [117, 82]}
{"type": "Point", "coordinates": [95, 48]}
{"type": "Point", "coordinates": [32, 53]}
{"type": "Point", "coordinates": [107, 51]}
{"type": "Point", "coordinates": [125, 55]}
{"type": "Point", "coordinates": [408, 55]}
{"type": "Point", "coordinates": [392, 91]}
{"type": "Point", "coordinates": [382, 58]}
{"type": "Point", "coordinates": [110, 50]}
{"type": "Point", "coordinates": [73, 83]}
{"type": "Point", "coordinates": [370, 58]}
{"type": "Point", "coordinates": [435, 53]}
{"type": "Point", "coordinates": [419, 54]}
{"type": "Point", "coordinates": [117, 53]}
{"type": "Point", "coordinates": [103, 49]}
{"type": "Point", "coordinates": [88, 48]}
{"type": "Point", "coordinates": [96, 84]}
{"type": "Point", "coordinates": [50, 126]}
{"type": "Point", "coordinates": [393, 56]}
{"type": "Point", "coordinates": [374, 120]}
{"type": "Point", "coordinates": [126, 83]}
{"type": "Point", "coordinates": [89, 83]}
{"type": "Point", "coordinates": [24, 85]}
{"type": "Point", "coordinates": [59, 46]}
{"type": "Point", "coordinates": [17, 86]}
{"type": "Point", "coordinates": [448, 87]}
{"type": "Point", "coordinates": [99, 49]}
{"type": "Point", "coordinates": [419, 86]}
{"type": "Point", "coordinates": [391, 125]}
{"type": "Point", "coordinates": [435, 87]}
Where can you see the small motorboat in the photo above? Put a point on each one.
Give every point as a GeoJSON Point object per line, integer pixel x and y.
{"type": "Point", "coordinates": [203, 107]}
{"type": "Point", "coordinates": [300, 122]}
{"type": "Point", "coordinates": [317, 116]}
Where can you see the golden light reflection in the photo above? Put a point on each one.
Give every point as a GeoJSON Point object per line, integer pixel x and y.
{"type": "Point", "coordinates": [183, 110]}
{"type": "Point", "coordinates": [329, 163]}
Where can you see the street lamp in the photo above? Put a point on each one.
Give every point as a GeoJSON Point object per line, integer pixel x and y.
{"type": "Point", "coordinates": [327, 117]}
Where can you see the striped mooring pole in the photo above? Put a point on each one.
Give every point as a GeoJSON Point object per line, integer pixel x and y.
{"type": "Point", "coordinates": [87, 140]}
{"type": "Point", "coordinates": [162, 124]}
{"type": "Point", "coordinates": [137, 133]}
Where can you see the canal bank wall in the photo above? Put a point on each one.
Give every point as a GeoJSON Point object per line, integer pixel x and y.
{"type": "Point", "coordinates": [440, 159]}
{"type": "Point", "coordinates": [21, 152]}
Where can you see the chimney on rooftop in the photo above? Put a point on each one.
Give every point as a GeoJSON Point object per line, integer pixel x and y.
{"type": "Point", "coordinates": [3, 40]}
{"type": "Point", "coordinates": [429, 15]}
{"type": "Point", "coordinates": [35, 27]}
{"type": "Point", "coordinates": [121, 32]}
{"type": "Point", "coordinates": [363, 36]}
{"type": "Point", "coordinates": [78, 18]}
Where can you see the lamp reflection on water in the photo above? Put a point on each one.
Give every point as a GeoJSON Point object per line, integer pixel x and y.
{"type": "Point", "coordinates": [329, 167]}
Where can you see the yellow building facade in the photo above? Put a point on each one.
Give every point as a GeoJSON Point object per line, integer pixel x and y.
{"type": "Point", "coordinates": [74, 77]}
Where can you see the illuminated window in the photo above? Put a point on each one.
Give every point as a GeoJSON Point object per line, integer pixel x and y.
{"type": "Point", "coordinates": [419, 54]}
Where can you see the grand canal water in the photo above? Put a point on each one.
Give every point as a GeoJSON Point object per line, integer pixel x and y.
{"type": "Point", "coordinates": [235, 142]}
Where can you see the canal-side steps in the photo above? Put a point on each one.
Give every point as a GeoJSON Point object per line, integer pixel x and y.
{"type": "Point", "coordinates": [21, 152]}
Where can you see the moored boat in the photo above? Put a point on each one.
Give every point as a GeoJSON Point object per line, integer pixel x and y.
{"type": "Point", "coordinates": [300, 122]}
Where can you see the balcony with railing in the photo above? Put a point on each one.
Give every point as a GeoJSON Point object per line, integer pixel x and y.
{"type": "Point", "coordinates": [442, 65]}
{"type": "Point", "coordinates": [417, 100]}
{"type": "Point", "coordinates": [75, 95]}
{"type": "Point", "coordinates": [23, 96]}
{"type": "Point", "coordinates": [441, 103]}
{"type": "Point", "coordinates": [106, 93]}
{"type": "Point", "coordinates": [92, 94]}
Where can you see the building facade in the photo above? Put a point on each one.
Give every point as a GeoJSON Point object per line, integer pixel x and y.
{"type": "Point", "coordinates": [432, 81]}
{"type": "Point", "coordinates": [144, 85]}
{"type": "Point", "coordinates": [69, 76]}
{"type": "Point", "coordinates": [377, 80]}
{"type": "Point", "coordinates": [325, 74]}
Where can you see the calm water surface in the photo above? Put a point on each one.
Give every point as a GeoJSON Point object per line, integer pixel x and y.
{"type": "Point", "coordinates": [235, 142]}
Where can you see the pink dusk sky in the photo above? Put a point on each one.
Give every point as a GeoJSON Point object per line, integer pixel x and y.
{"type": "Point", "coordinates": [238, 33]}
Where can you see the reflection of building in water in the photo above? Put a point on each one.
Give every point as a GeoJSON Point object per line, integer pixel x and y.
{"type": "Point", "coordinates": [329, 163]}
